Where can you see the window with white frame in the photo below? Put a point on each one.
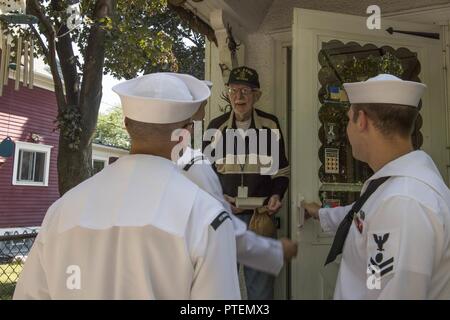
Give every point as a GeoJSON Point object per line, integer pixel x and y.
{"type": "Point", "coordinates": [31, 164]}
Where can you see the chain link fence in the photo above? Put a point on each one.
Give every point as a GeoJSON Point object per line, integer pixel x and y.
{"type": "Point", "coordinates": [14, 249]}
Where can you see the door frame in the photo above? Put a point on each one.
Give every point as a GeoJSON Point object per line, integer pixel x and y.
{"type": "Point", "coordinates": [282, 40]}
{"type": "Point", "coordinates": [437, 14]}
{"type": "Point", "coordinates": [446, 52]}
{"type": "Point", "coordinates": [310, 29]}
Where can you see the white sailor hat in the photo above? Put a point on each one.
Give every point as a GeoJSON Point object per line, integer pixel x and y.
{"type": "Point", "coordinates": [385, 88]}
{"type": "Point", "coordinates": [161, 97]}
{"type": "Point", "coordinates": [208, 83]}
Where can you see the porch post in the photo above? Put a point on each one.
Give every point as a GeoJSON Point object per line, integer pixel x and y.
{"type": "Point", "coordinates": [218, 60]}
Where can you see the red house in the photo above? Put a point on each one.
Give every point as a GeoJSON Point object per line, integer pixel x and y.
{"type": "Point", "coordinates": [29, 178]}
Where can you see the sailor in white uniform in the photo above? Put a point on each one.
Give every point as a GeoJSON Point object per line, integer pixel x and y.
{"type": "Point", "coordinates": [395, 240]}
{"type": "Point", "coordinates": [257, 252]}
{"type": "Point", "coordinates": [138, 229]}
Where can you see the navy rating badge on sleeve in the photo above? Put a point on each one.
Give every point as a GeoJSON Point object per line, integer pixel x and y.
{"type": "Point", "coordinates": [381, 262]}
{"type": "Point", "coordinates": [220, 219]}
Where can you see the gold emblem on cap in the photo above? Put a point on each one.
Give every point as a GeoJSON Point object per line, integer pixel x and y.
{"type": "Point", "coordinates": [244, 74]}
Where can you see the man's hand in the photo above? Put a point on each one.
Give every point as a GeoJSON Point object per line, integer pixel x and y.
{"type": "Point", "coordinates": [289, 249]}
{"type": "Point", "coordinates": [274, 204]}
{"type": "Point", "coordinates": [232, 202]}
{"type": "Point", "coordinates": [311, 209]}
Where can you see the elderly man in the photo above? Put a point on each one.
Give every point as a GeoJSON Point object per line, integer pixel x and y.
{"type": "Point", "coordinates": [254, 251]}
{"type": "Point", "coordinates": [241, 170]}
{"type": "Point", "coordinates": [394, 240]}
{"type": "Point", "coordinates": [138, 229]}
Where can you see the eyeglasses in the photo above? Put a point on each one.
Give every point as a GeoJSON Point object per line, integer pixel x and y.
{"type": "Point", "coordinates": [243, 91]}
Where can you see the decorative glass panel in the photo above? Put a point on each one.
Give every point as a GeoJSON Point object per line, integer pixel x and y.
{"type": "Point", "coordinates": [341, 175]}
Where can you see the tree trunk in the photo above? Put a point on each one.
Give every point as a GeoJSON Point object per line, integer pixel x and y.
{"type": "Point", "coordinates": [75, 166]}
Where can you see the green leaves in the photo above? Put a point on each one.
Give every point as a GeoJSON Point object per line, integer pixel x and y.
{"type": "Point", "coordinates": [134, 43]}
{"type": "Point", "coordinates": [140, 36]}
{"type": "Point", "coordinates": [110, 129]}
{"type": "Point", "coordinates": [106, 23]}
{"type": "Point", "coordinates": [361, 69]}
{"type": "Point", "coordinates": [69, 125]}
{"type": "Point", "coordinates": [187, 46]}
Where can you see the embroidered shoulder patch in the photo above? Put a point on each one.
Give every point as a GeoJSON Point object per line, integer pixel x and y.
{"type": "Point", "coordinates": [383, 253]}
{"type": "Point", "coordinates": [220, 219]}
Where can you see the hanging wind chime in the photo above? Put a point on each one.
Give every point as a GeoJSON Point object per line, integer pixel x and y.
{"type": "Point", "coordinates": [15, 41]}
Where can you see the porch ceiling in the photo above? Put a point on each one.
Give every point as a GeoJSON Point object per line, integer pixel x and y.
{"type": "Point", "coordinates": [358, 7]}
{"type": "Point", "coordinates": [276, 14]}
{"type": "Point", "coordinates": [248, 13]}
{"type": "Point", "coordinates": [280, 13]}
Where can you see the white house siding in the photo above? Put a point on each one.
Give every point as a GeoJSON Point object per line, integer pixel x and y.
{"type": "Point", "coordinates": [104, 152]}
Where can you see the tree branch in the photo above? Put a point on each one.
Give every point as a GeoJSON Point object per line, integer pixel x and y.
{"type": "Point", "coordinates": [41, 42]}
{"type": "Point", "coordinates": [194, 22]}
{"type": "Point", "coordinates": [68, 66]}
{"type": "Point", "coordinates": [94, 57]}
{"type": "Point", "coordinates": [66, 56]}
{"type": "Point", "coordinates": [35, 9]}
{"type": "Point", "coordinates": [188, 35]}
{"type": "Point", "coordinates": [190, 39]}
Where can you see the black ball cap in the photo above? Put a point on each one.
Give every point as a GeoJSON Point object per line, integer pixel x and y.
{"type": "Point", "coordinates": [244, 75]}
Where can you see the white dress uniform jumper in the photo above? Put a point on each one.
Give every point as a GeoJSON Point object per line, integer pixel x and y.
{"type": "Point", "coordinates": [403, 248]}
{"type": "Point", "coordinates": [260, 253]}
{"type": "Point", "coordinates": [139, 229]}
{"type": "Point", "coordinates": [395, 240]}
{"type": "Point", "coordinates": [136, 230]}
